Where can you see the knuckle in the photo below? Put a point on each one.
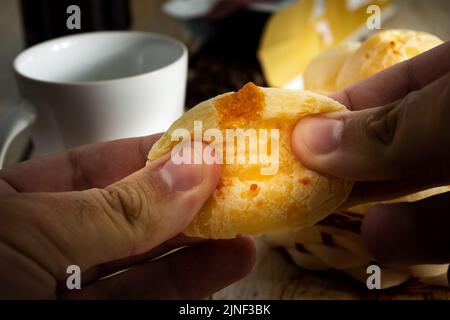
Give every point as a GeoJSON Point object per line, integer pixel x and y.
{"type": "Point", "coordinates": [384, 128]}
{"type": "Point", "coordinates": [126, 200]}
{"type": "Point", "coordinates": [382, 124]}
{"type": "Point", "coordinates": [138, 201]}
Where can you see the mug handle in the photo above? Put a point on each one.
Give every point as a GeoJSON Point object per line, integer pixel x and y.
{"type": "Point", "coordinates": [11, 125]}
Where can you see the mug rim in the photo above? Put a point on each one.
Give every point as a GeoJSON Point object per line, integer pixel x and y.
{"type": "Point", "coordinates": [50, 42]}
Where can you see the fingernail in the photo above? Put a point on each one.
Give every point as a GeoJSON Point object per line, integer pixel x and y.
{"type": "Point", "coordinates": [183, 176]}
{"type": "Point", "coordinates": [319, 135]}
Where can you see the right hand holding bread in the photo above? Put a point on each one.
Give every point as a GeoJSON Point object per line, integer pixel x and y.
{"type": "Point", "coordinates": [394, 142]}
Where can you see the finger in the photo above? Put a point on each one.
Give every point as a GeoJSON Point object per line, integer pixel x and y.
{"type": "Point", "coordinates": [381, 143]}
{"type": "Point", "coordinates": [90, 166]}
{"type": "Point", "coordinates": [397, 81]}
{"type": "Point", "coordinates": [191, 273]}
{"type": "Point", "coordinates": [434, 175]}
{"type": "Point", "coordinates": [127, 218]}
{"type": "Point", "coordinates": [409, 233]}
{"type": "Point", "coordinates": [109, 268]}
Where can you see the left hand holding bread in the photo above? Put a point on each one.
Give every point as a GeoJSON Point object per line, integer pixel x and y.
{"type": "Point", "coordinates": [99, 207]}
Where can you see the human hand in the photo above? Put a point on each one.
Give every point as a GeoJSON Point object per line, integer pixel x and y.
{"type": "Point", "coordinates": [98, 207]}
{"type": "Point", "coordinates": [394, 142]}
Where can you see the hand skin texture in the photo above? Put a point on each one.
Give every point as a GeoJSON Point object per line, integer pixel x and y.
{"type": "Point", "coordinates": [101, 207]}
{"type": "Point", "coordinates": [395, 141]}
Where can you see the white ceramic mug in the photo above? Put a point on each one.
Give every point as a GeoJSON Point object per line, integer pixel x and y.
{"type": "Point", "coordinates": [95, 87]}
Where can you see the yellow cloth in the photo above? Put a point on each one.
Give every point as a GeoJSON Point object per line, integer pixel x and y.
{"type": "Point", "coordinates": [297, 33]}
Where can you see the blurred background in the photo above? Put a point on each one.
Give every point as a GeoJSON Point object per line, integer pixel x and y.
{"type": "Point", "coordinates": [230, 42]}
{"type": "Point", "coordinates": [222, 36]}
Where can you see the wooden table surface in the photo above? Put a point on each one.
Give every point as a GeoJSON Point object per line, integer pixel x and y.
{"type": "Point", "coordinates": [274, 276]}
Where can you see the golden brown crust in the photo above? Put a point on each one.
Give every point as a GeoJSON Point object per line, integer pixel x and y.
{"type": "Point", "coordinates": [245, 201]}
{"type": "Point", "coordinates": [241, 109]}
{"type": "Point", "coordinates": [348, 63]}
{"type": "Point", "coordinates": [381, 51]}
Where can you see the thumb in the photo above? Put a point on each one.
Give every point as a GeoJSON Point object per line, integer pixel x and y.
{"type": "Point", "coordinates": [379, 143]}
{"type": "Point", "coordinates": [159, 201]}
{"type": "Point", "coordinates": [127, 218]}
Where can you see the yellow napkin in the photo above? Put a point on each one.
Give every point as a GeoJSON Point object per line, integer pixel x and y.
{"type": "Point", "coordinates": [295, 34]}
